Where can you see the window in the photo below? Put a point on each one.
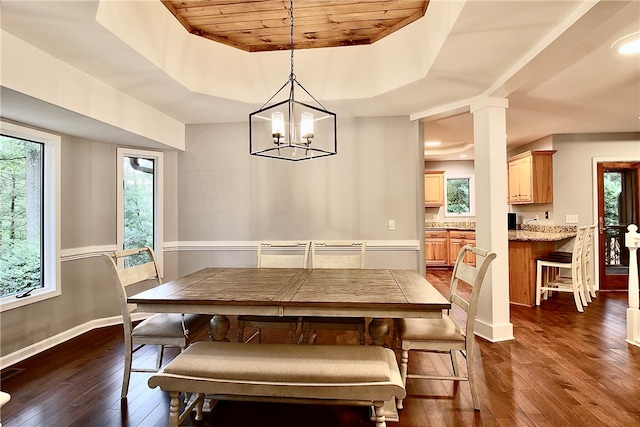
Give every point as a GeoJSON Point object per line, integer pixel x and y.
{"type": "Point", "coordinates": [459, 197]}
{"type": "Point", "coordinates": [29, 215]}
{"type": "Point", "coordinates": [140, 201]}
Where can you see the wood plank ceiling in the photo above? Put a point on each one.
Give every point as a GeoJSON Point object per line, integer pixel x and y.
{"type": "Point", "coordinates": [263, 25]}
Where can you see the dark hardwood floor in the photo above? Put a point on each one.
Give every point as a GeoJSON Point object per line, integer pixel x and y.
{"type": "Point", "coordinates": [563, 369]}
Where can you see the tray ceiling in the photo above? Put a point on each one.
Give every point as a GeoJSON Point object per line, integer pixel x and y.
{"type": "Point", "coordinates": [263, 25]}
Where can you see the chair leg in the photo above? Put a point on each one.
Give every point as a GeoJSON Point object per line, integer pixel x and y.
{"type": "Point", "coordinates": [404, 365]}
{"type": "Point", "coordinates": [363, 336]}
{"type": "Point", "coordinates": [472, 380]}
{"type": "Point", "coordinates": [538, 282]}
{"type": "Point", "coordinates": [159, 357]}
{"type": "Point", "coordinates": [128, 357]}
{"type": "Point", "coordinates": [454, 363]}
{"type": "Point", "coordinates": [577, 297]}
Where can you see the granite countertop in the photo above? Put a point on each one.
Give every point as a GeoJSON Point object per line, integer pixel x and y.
{"type": "Point", "coordinates": [542, 233]}
{"type": "Point", "coordinates": [524, 233]}
{"type": "Point", "coordinates": [450, 225]}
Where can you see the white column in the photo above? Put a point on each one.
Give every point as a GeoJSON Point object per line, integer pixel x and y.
{"type": "Point", "coordinates": [490, 153]}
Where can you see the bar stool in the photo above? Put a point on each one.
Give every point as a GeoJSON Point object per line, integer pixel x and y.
{"type": "Point", "coordinates": [548, 278]}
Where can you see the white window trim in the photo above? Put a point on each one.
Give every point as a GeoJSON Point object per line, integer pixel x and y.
{"type": "Point", "coordinates": [51, 247]}
{"type": "Point", "coordinates": [158, 236]}
{"type": "Point", "coordinates": [472, 196]}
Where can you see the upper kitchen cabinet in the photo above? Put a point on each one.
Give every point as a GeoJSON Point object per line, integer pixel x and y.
{"type": "Point", "coordinates": [531, 177]}
{"type": "Point", "coordinates": [433, 189]}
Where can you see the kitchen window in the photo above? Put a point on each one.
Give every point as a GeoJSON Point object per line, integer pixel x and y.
{"type": "Point", "coordinates": [29, 215]}
{"type": "Point", "coordinates": [459, 196]}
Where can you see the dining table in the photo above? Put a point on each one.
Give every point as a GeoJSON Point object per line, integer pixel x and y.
{"type": "Point", "coordinates": [378, 294]}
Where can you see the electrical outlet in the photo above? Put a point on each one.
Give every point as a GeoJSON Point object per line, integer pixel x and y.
{"type": "Point", "coordinates": [536, 217]}
{"type": "Point", "coordinates": [571, 219]}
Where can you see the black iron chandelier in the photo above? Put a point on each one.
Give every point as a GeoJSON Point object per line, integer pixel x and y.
{"type": "Point", "coordinates": [291, 129]}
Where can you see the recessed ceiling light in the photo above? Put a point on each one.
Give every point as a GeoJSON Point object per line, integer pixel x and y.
{"type": "Point", "coordinates": [463, 155]}
{"type": "Point", "coordinates": [628, 45]}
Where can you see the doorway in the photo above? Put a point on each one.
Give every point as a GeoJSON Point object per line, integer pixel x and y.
{"type": "Point", "coordinates": [618, 206]}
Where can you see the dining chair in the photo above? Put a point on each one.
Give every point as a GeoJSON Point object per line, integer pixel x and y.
{"type": "Point", "coordinates": [132, 266]}
{"type": "Point", "coordinates": [552, 276]}
{"type": "Point", "coordinates": [446, 335]}
{"type": "Point", "coordinates": [276, 254]}
{"type": "Point", "coordinates": [331, 255]}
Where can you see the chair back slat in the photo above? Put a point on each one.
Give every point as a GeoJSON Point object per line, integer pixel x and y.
{"type": "Point", "coordinates": [338, 254]}
{"type": "Point", "coordinates": [283, 254]}
{"type": "Point", "coordinates": [138, 273]}
{"type": "Point", "coordinates": [124, 275]}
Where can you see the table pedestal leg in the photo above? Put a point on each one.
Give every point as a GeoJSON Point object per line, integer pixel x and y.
{"type": "Point", "coordinates": [219, 326]}
{"type": "Point", "coordinates": [378, 331]}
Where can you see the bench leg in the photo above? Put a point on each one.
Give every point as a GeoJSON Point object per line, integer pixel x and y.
{"type": "Point", "coordinates": [380, 420]}
{"type": "Point", "coordinates": [174, 409]}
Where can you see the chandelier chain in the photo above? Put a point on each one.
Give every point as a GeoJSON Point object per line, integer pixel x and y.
{"type": "Point", "coordinates": [292, 76]}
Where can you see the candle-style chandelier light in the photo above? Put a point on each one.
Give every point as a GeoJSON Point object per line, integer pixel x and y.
{"type": "Point", "coordinates": [291, 129]}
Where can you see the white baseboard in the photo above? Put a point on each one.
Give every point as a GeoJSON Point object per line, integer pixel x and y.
{"type": "Point", "coordinates": [33, 349]}
{"type": "Point", "coordinates": [494, 333]}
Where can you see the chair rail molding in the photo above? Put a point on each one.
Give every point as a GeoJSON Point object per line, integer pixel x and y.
{"type": "Point", "coordinates": [245, 245]}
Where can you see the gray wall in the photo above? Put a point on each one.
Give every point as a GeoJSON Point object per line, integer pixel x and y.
{"type": "Point", "coordinates": [215, 194]}
{"type": "Point", "coordinates": [573, 166]}
{"type": "Point", "coordinates": [227, 195]}
{"type": "Point", "coordinates": [88, 221]}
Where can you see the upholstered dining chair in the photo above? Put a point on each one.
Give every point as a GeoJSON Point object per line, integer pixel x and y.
{"type": "Point", "coordinates": [446, 335]}
{"type": "Point", "coordinates": [335, 254]}
{"type": "Point", "coordinates": [550, 276]}
{"type": "Point", "coordinates": [276, 254]}
{"type": "Point", "coordinates": [132, 266]}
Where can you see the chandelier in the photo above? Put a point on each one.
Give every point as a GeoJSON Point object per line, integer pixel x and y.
{"type": "Point", "coordinates": [292, 129]}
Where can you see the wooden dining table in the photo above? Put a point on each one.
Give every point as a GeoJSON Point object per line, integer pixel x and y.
{"type": "Point", "coordinates": [375, 293]}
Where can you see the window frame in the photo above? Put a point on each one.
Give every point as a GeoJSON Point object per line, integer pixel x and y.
{"type": "Point", "coordinates": [158, 224]}
{"type": "Point", "coordinates": [472, 200]}
{"type": "Point", "coordinates": [51, 214]}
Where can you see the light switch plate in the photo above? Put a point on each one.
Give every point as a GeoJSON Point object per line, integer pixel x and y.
{"type": "Point", "coordinates": [392, 224]}
{"type": "Point", "coordinates": [571, 219]}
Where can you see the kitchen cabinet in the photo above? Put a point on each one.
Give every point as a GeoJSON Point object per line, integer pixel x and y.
{"type": "Point", "coordinates": [433, 188]}
{"type": "Point", "coordinates": [436, 248]}
{"type": "Point", "coordinates": [442, 246]}
{"type": "Point", "coordinates": [530, 177]}
{"type": "Point", "coordinates": [457, 239]}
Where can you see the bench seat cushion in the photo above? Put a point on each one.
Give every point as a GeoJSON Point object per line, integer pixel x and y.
{"type": "Point", "coordinates": [283, 363]}
{"type": "Point", "coordinates": [334, 372]}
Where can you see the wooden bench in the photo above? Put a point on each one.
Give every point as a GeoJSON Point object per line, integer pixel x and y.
{"type": "Point", "coordinates": [333, 374]}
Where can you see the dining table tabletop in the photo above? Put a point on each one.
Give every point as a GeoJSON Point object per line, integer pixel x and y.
{"type": "Point", "coordinates": [375, 293]}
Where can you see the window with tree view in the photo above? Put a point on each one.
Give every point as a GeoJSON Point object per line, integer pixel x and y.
{"type": "Point", "coordinates": [139, 190]}
{"type": "Point", "coordinates": [21, 215]}
{"type": "Point", "coordinates": [458, 196]}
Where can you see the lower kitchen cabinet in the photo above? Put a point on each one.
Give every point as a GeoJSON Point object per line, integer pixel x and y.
{"type": "Point", "coordinates": [436, 248]}
{"type": "Point", "coordinates": [442, 246]}
{"type": "Point", "coordinates": [457, 239]}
